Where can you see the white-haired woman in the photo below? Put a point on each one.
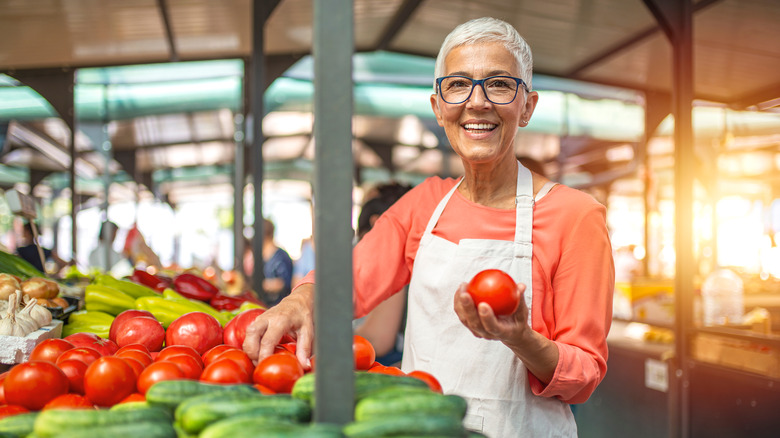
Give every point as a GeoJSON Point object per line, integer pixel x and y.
{"type": "Point", "coordinates": [518, 372]}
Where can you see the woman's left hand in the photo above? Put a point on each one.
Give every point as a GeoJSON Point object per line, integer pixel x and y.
{"type": "Point", "coordinates": [483, 323]}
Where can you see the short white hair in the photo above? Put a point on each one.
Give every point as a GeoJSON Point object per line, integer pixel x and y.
{"type": "Point", "coordinates": [488, 29]}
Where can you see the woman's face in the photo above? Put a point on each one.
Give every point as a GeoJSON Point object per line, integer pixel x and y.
{"type": "Point", "coordinates": [480, 131]}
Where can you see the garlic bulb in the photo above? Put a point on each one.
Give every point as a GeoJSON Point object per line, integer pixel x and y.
{"type": "Point", "coordinates": [7, 323]}
{"type": "Point", "coordinates": [24, 317]}
{"type": "Point", "coordinates": [38, 313]}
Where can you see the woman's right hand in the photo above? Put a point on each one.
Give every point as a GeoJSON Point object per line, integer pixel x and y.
{"type": "Point", "coordinates": [294, 315]}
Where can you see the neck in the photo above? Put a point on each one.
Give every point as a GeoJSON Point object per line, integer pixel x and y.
{"type": "Point", "coordinates": [491, 185]}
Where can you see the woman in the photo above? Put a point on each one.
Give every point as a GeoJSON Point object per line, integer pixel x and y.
{"type": "Point", "coordinates": [551, 239]}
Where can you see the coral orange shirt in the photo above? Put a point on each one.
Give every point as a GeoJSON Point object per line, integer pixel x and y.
{"type": "Point", "coordinates": [573, 270]}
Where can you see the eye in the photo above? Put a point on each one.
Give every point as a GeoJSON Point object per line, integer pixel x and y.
{"type": "Point", "coordinates": [458, 83]}
{"type": "Point", "coordinates": [500, 83]}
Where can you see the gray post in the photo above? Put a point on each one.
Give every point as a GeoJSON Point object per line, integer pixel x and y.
{"type": "Point", "coordinates": [333, 47]}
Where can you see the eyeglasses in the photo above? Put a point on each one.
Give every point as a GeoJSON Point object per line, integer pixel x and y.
{"type": "Point", "coordinates": [500, 90]}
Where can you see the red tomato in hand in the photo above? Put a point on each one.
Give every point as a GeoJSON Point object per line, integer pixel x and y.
{"type": "Point", "coordinates": [157, 372]}
{"type": "Point", "coordinates": [108, 380]}
{"type": "Point", "coordinates": [198, 330]}
{"type": "Point", "coordinates": [105, 347]}
{"type": "Point", "coordinates": [84, 354]}
{"type": "Point", "coordinates": [235, 329]}
{"type": "Point", "coordinates": [50, 349]}
{"type": "Point", "coordinates": [33, 384]}
{"type": "Point", "coordinates": [74, 369]}
{"type": "Point", "coordinates": [69, 401]}
{"type": "Point", "coordinates": [428, 378]}
{"type": "Point", "coordinates": [364, 352]}
{"type": "Point", "coordinates": [190, 366]}
{"type": "Point", "coordinates": [225, 371]}
{"type": "Point", "coordinates": [279, 372]}
{"type": "Point", "coordinates": [495, 287]}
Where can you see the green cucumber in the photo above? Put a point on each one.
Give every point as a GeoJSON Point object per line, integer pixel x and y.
{"type": "Point", "coordinates": [18, 425]}
{"type": "Point", "coordinates": [168, 394]}
{"type": "Point", "coordinates": [406, 402]}
{"type": "Point", "coordinates": [250, 426]}
{"type": "Point", "coordinates": [144, 429]}
{"type": "Point", "coordinates": [194, 414]}
{"type": "Point", "coordinates": [406, 425]}
{"type": "Point", "coordinates": [365, 383]}
{"type": "Point", "coordinates": [54, 422]}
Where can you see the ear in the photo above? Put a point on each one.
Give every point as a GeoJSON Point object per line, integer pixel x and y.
{"type": "Point", "coordinates": [530, 105]}
{"type": "Point", "coordinates": [436, 109]}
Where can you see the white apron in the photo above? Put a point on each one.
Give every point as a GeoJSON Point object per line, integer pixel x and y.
{"type": "Point", "coordinates": [486, 372]}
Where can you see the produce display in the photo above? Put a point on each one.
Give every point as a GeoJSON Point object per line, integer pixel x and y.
{"type": "Point", "coordinates": [154, 356]}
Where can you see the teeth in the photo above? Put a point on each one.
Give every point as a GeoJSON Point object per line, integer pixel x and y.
{"type": "Point", "coordinates": [479, 126]}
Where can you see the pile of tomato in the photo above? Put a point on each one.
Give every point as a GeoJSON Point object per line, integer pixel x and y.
{"type": "Point", "coordinates": [85, 371]}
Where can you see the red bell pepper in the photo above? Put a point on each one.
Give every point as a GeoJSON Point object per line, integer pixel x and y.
{"type": "Point", "coordinates": [221, 301]}
{"type": "Point", "coordinates": [142, 277]}
{"type": "Point", "coordinates": [194, 287]}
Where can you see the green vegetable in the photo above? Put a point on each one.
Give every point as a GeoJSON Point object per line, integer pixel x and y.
{"type": "Point", "coordinates": [407, 425]}
{"type": "Point", "coordinates": [57, 422]}
{"type": "Point", "coordinates": [135, 290]}
{"type": "Point", "coordinates": [194, 414]}
{"type": "Point", "coordinates": [169, 394]}
{"type": "Point", "coordinates": [19, 425]}
{"type": "Point", "coordinates": [15, 265]}
{"type": "Point", "coordinates": [107, 299]}
{"type": "Point", "coordinates": [365, 383]}
{"type": "Point", "coordinates": [394, 402]}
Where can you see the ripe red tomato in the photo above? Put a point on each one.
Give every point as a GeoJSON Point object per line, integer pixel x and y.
{"type": "Point", "coordinates": [124, 316]}
{"type": "Point", "coordinates": [279, 372]}
{"type": "Point", "coordinates": [2, 392]}
{"type": "Point", "coordinates": [428, 378]}
{"type": "Point", "coordinates": [74, 369]}
{"type": "Point", "coordinates": [235, 329]}
{"type": "Point", "coordinates": [225, 371]}
{"type": "Point", "coordinates": [105, 347]}
{"type": "Point", "coordinates": [188, 365]}
{"type": "Point", "coordinates": [240, 358]}
{"type": "Point", "coordinates": [175, 350]}
{"type": "Point", "coordinates": [264, 389]}
{"type": "Point", "coordinates": [11, 410]}
{"type": "Point", "coordinates": [143, 330]}
{"type": "Point", "coordinates": [140, 356]}
{"type": "Point", "coordinates": [50, 349]}
{"type": "Point", "coordinates": [495, 287]}
{"type": "Point", "coordinates": [382, 369]}
{"type": "Point", "coordinates": [364, 352]}
{"type": "Point", "coordinates": [134, 397]}
{"type": "Point", "coordinates": [108, 380]}
{"type": "Point", "coordinates": [138, 347]}
{"type": "Point", "coordinates": [84, 354]}
{"type": "Point", "coordinates": [198, 330]}
{"type": "Point", "coordinates": [215, 351]}
{"type": "Point", "coordinates": [69, 401]}
{"type": "Point", "coordinates": [157, 372]}
{"type": "Point", "coordinates": [137, 366]}
{"type": "Point", "coordinates": [33, 384]}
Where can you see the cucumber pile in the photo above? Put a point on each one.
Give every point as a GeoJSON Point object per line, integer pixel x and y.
{"type": "Point", "coordinates": [385, 405]}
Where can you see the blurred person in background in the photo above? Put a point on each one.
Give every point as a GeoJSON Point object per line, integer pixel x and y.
{"type": "Point", "coordinates": [305, 262]}
{"type": "Point", "coordinates": [105, 248]}
{"type": "Point", "coordinates": [383, 326]}
{"type": "Point", "coordinates": [29, 251]}
{"type": "Point", "coordinates": [277, 268]}
{"type": "Point", "coordinates": [138, 251]}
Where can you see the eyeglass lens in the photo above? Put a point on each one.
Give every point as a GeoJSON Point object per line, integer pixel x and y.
{"type": "Point", "coordinates": [498, 89]}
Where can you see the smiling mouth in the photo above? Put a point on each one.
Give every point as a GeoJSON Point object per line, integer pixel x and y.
{"type": "Point", "coordinates": [479, 127]}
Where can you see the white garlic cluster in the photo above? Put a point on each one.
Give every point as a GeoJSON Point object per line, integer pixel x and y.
{"type": "Point", "coordinates": [22, 319]}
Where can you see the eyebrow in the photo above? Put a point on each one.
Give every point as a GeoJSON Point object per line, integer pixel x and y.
{"type": "Point", "coordinates": [492, 73]}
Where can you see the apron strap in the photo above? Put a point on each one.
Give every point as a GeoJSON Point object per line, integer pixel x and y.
{"type": "Point", "coordinates": [439, 208]}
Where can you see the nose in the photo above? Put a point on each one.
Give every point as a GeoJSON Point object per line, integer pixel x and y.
{"type": "Point", "coordinates": [478, 97]}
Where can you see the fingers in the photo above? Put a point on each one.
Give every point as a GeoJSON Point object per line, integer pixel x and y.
{"type": "Point", "coordinates": [254, 332]}
{"type": "Point", "coordinates": [304, 346]}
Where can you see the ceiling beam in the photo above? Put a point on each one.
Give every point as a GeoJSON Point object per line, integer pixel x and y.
{"type": "Point", "coordinates": [396, 23]}
{"type": "Point", "coordinates": [629, 42]}
{"type": "Point", "coordinates": [764, 99]}
{"type": "Point", "coordinates": [165, 15]}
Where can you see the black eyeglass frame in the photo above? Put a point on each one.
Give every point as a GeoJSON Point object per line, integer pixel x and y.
{"type": "Point", "coordinates": [481, 83]}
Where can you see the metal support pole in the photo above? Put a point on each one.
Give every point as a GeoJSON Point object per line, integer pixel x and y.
{"type": "Point", "coordinates": [676, 19]}
{"type": "Point", "coordinates": [333, 47]}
